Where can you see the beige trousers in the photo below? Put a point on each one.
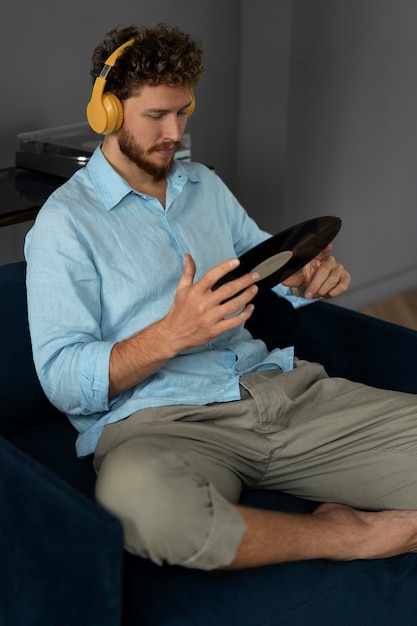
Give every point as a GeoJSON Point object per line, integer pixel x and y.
{"type": "Point", "coordinates": [172, 474]}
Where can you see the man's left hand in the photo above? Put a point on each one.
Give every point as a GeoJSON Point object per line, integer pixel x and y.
{"type": "Point", "coordinates": [323, 277]}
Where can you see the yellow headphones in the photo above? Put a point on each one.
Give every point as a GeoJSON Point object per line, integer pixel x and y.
{"type": "Point", "coordinates": [105, 111]}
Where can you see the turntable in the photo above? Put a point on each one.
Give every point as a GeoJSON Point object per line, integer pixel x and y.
{"type": "Point", "coordinates": [63, 150]}
{"type": "Point", "coordinates": [60, 151]}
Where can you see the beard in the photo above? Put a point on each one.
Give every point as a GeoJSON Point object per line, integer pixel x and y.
{"type": "Point", "coordinates": [137, 155]}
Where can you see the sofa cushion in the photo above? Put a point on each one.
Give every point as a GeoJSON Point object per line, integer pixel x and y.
{"type": "Point", "coordinates": [23, 402]}
{"type": "Point", "coordinates": [52, 444]}
{"type": "Point", "coordinates": [317, 592]}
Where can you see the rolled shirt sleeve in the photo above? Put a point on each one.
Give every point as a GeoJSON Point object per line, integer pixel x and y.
{"type": "Point", "coordinates": [70, 354]}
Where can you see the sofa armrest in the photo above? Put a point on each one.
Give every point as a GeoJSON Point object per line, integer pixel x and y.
{"type": "Point", "coordinates": [23, 406]}
{"type": "Point", "coordinates": [357, 346]}
{"type": "Point", "coordinates": [347, 343]}
{"type": "Point", "coordinates": [62, 556]}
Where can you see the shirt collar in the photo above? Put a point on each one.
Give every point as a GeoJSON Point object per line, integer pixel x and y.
{"type": "Point", "coordinates": [112, 188]}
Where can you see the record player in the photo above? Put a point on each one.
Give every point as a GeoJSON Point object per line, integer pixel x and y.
{"type": "Point", "coordinates": [63, 150]}
{"type": "Point", "coordinates": [60, 151]}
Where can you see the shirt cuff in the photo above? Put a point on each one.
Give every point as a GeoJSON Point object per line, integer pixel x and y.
{"type": "Point", "coordinates": [94, 377]}
{"type": "Point", "coordinates": [296, 301]}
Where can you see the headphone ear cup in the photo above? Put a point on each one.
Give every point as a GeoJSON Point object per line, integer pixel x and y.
{"type": "Point", "coordinates": [114, 110]}
{"type": "Point", "coordinates": [105, 113]}
{"type": "Point", "coordinates": [191, 106]}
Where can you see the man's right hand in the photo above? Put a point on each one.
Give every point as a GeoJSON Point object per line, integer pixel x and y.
{"type": "Point", "coordinates": [197, 316]}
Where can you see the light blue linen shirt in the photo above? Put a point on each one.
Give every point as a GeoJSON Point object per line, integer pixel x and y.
{"type": "Point", "coordinates": [104, 262]}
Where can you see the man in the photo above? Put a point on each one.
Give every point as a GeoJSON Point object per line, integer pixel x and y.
{"type": "Point", "coordinates": [181, 407]}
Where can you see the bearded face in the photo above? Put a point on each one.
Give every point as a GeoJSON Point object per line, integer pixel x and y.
{"type": "Point", "coordinates": [156, 161]}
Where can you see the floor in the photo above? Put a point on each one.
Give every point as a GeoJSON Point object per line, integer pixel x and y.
{"type": "Point", "coordinates": [400, 309]}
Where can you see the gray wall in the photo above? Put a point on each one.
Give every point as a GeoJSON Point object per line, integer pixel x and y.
{"type": "Point", "coordinates": [262, 109]}
{"type": "Point", "coordinates": [352, 135]}
{"type": "Point", "coordinates": [308, 107]}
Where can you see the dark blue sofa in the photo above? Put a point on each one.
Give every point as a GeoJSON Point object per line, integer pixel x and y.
{"type": "Point", "coordinates": [62, 560]}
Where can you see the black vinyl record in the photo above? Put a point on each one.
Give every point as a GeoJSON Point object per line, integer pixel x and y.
{"type": "Point", "coordinates": [284, 254]}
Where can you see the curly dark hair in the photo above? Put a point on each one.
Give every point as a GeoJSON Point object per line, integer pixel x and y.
{"type": "Point", "coordinates": [162, 55]}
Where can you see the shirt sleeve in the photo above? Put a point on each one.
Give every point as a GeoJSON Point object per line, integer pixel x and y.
{"type": "Point", "coordinates": [296, 301]}
{"type": "Point", "coordinates": [63, 291]}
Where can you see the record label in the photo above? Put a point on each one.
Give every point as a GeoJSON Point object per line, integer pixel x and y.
{"type": "Point", "coordinates": [272, 264]}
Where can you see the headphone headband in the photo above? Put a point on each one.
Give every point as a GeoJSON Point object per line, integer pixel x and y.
{"type": "Point", "coordinates": [111, 60]}
{"type": "Point", "coordinates": [105, 111]}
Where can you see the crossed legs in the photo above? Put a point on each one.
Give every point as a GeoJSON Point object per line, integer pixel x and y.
{"type": "Point", "coordinates": [175, 484]}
